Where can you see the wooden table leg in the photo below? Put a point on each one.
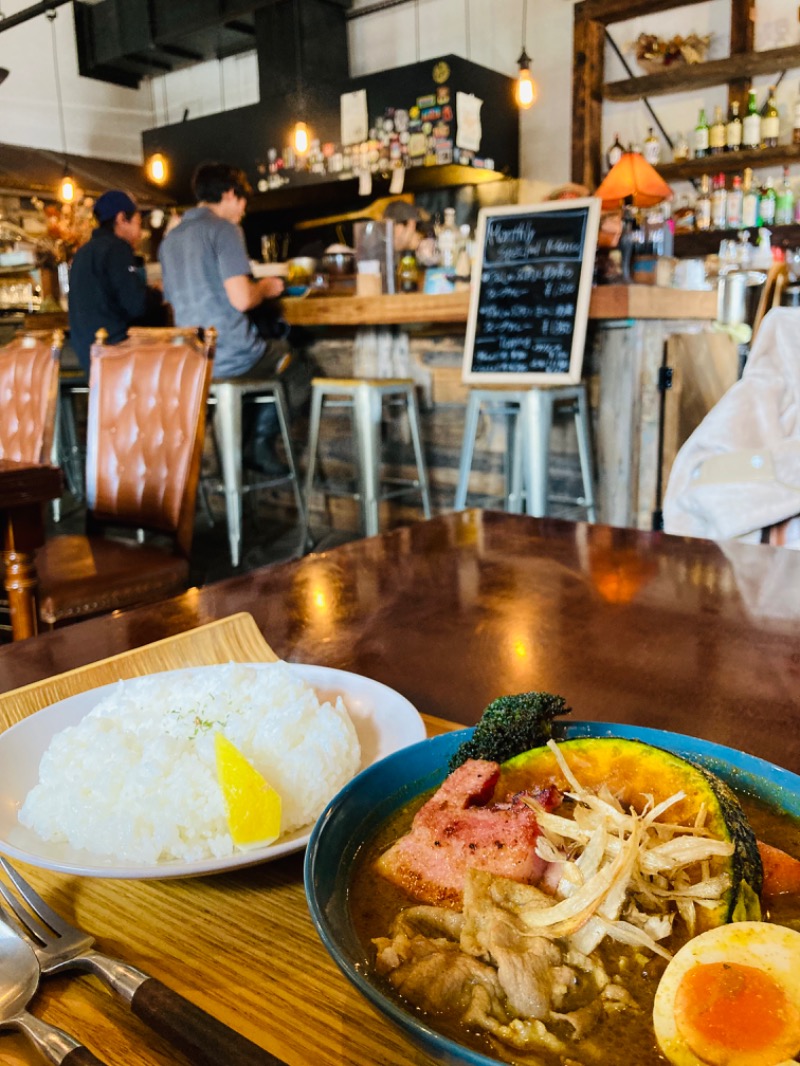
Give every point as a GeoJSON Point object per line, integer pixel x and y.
{"type": "Point", "coordinates": [21, 584]}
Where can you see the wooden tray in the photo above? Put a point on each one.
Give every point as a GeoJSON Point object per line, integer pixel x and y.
{"type": "Point", "coordinates": [233, 639]}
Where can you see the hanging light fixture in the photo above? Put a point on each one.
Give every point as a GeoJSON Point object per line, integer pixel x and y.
{"type": "Point", "coordinates": [157, 168]}
{"type": "Point", "coordinates": [526, 89]}
{"type": "Point", "coordinates": [67, 189]}
{"type": "Point", "coordinates": [301, 135]}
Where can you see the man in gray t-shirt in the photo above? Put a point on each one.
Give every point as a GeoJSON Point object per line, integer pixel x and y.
{"type": "Point", "coordinates": [207, 280]}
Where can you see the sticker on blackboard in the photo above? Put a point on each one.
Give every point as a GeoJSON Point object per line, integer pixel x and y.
{"type": "Point", "coordinates": [531, 287]}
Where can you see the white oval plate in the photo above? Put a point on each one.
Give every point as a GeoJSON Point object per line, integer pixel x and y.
{"type": "Point", "coordinates": [385, 722]}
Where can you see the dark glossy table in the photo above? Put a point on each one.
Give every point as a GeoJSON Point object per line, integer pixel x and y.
{"type": "Point", "coordinates": [629, 626]}
{"type": "Point", "coordinates": [24, 489]}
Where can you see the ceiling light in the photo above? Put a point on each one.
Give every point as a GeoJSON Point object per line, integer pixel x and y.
{"type": "Point", "coordinates": [157, 169]}
{"type": "Point", "coordinates": [526, 90]}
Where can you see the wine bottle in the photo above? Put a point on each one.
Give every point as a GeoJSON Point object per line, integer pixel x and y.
{"type": "Point", "coordinates": [702, 207]}
{"type": "Point", "coordinates": [770, 121]}
{"type": "Point", "coordinates": [768, 204]}
{"type": "Point", "coordinates": [733, 218]}
{"type": "Point", "coordinates": [716, 135]}
{"type": "Point", "coordinates": [615, 152]}
{"type": "Point", "coordinates": [784, 210]}
{"type": "Point", "coordinates": [652, 148]}
{"type": "Point", "coordinates": [733, 131]}
{"type": "Point", "coordinates": [751, 127]}
{"type": "Point", "coordinates": [796, 121]}
{"type": "Point", "coordinates": [750, 200]}
{"type": "Point", "coordinates": [719, 203]}
{"type": "Point", "coordinates": [701, 132]}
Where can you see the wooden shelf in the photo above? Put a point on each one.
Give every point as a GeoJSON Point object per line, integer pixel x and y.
{"type": "Point", "coordinates": [731, 162]}
{"type": "Point", "coordinates": [707, 242]}
{"type": "Point", "coordinates": [690, 76]}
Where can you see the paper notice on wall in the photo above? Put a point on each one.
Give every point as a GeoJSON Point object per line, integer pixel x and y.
{"type": "Point", "coordinates": [468, 122]}
{"type": "Point", "coordinates": [397, 181]}
{"type": "Point", "coordinates": [353, 112]}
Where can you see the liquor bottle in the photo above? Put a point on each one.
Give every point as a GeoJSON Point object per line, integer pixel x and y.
{"type": "Point", "coordinates": [719, 203]}
{"type": "Point", "coordinates": [750, 200]}
{"type": "Point", "coordinates": [448, 237]}
{"type": "Point", "coordinates": [615, 152]}
{"type": "Point", "coordinates": [716, 135]}
{"type": "Point", "coordinates": [733, 218]}
{"type": "Point", "coordinates": [701, 131]}
{"type": "Point", "coordinates": [770, 121]}
{"type": "Point", "coordinates": [784, 209]}
{"type": "Point", "coordinates": [652, 148]}
{"type": "Point", "coordinates": [796, 121]}
{"type": "Point", "coordinates": [751, 127]}
{"type": "Point", "coordinates": [408, 273]}
{"type": "Point", "coordinates": [702, 207]}
{"type": "Point", "coordinates": [733, 131]}
{"type": "Point", "coordinates": [680, 153]}
{"type": "Point", "coordinates": [769, 202]}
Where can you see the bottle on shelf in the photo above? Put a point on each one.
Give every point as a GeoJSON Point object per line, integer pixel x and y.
{"type": "Point", "coordinates": [448, 237]}
{"type": "Point", "coordinates": [615, 152]}
{"type": "Point", "coordinates": [733, 208]}
{"type": "Point", "coordinates": [751, 126]}
{"type": "Point", "coordinates": [719, 203]}
{"type": "Point", "coordinates": [683, 217]}
{"type": "Point", "coordinates": [733, 130]}
{"type": "Point", "coordinates": [408, 273]}
{"type": "Point", "coordinates": [717, 133]}
{"type": "Point", "coordinates": [750, 200]}
{"type": "Point", "coordinates": [796, 120]}
{"type": "Point", "coordinates": [680, 151]}
{"type": "Point", "coordinates": [702, 207]}
{"type": "Point", "coordinates": [768, 204]}
{"type": "Point", "coordinates": [770, 121]}
{"type": "Point", "coordinates": [784, 208]}
{"type": "Point", "coordinates": [652, 148]}
{"type": "Point", "coordinates": [701, 136]}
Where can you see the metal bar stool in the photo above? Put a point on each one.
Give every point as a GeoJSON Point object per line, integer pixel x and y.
{"type": "Point", "coordinates": [67, 450]}
{"type": "Point", "coordinates": [528, 415]}
{"type": "Point", "coordinates": [229, 396]}
{"type": "Point", "coordinates": [365, 397]}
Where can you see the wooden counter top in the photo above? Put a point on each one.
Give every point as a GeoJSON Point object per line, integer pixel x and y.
{"type": "Point", "coordinates": [608, 302]}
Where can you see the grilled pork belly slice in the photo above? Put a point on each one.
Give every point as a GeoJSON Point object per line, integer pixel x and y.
{"type": "Point", "coordinates": [456, 831]}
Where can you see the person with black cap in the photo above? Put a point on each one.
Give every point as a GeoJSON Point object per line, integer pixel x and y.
{"type": "Point", "coordinates": [405, 217]}
{"type": "Point", "coordinates": [107, 285]}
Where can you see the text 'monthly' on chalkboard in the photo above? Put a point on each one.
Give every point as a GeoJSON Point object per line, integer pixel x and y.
{"type": "Point", "coordinates": [531, 286]}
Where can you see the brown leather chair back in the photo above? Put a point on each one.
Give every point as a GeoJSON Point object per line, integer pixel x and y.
{"type": "Point", "coordinates": [28, 396]}
{"type": "Point", "coordinates": [145, 432]}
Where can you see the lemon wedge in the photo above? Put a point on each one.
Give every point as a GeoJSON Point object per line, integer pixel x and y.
{"type": "Point", "coordinates": [252, 805]}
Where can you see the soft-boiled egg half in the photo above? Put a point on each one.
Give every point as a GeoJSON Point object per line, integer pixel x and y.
{"type": "Point", "coordinates": [731, 997]}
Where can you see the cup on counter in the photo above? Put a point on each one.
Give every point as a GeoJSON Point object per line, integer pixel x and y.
{"type": "Point", "coordinates": [368, 278]}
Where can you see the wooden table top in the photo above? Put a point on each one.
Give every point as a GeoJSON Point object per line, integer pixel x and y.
{"type": "Point", "coordinates": [26, 483]}
{"type": "Point", "coordinates": [629, 626]}
{"type": "Point", "coordinates": [607, 302]}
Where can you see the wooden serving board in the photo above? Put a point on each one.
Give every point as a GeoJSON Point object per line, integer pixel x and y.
{"type": "Point", "coordinates": [233, 639]}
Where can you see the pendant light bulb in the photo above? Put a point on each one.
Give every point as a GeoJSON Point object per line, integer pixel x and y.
{"type": "Point", "coordinates": [67, 190]}
{"type": "Point", "coordinates": [301, 138]}
{"type": "Point", "coordinates": [526, 90]}
{"type": "Point", "coordinates": [157, 169]}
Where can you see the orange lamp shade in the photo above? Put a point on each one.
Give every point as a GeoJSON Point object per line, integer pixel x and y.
{"type": "Point", "coordinates": [632, 178]}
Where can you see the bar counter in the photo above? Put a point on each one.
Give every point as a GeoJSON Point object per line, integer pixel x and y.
{"type": "Point", "coordinates": [607, 302]}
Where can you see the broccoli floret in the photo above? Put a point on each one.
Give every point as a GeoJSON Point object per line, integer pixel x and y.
{"type": "Point", "coordinates": [511, 725]}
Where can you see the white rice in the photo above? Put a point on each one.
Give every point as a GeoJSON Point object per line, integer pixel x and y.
{"type": "Point", "coordinates": [136, 779]}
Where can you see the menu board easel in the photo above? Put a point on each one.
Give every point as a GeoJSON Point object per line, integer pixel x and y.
{"type": "Point", "coordinates": [531, 286]}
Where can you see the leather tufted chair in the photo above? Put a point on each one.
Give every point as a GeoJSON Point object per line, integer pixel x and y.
{"type": "Point", "coordinates": [145, 431]}
{"type": "Point", "coordinates": [28, 395]}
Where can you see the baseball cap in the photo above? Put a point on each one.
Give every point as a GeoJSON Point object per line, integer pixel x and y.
{"type": "Point", "coordinates": [110, 204]}
{"type": "Point", "coordinates": [402, 211]}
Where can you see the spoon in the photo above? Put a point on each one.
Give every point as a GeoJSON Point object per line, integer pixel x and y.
{"type": "Point", "coordinates": [19, 979]}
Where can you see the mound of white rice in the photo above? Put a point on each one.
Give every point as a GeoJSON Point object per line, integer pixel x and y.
{"type": "Point", "coordinates": [136, 778]}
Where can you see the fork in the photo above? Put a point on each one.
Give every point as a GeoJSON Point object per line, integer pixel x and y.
{"type": "Point", "coordinates": [205, 1040]}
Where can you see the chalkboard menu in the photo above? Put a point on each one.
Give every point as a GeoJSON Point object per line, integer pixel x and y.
{"type": "Point", "coordinates": [531, 285]}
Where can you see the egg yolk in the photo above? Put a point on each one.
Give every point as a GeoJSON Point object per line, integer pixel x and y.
{"type": "Point", "coordinates": [734, 1015]}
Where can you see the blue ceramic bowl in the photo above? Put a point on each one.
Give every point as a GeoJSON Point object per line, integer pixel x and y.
{"type": "Point", "coordinates": [354, 815]}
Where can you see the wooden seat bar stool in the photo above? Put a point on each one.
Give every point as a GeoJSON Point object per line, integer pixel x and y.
{"type": "Point", "coordinates": [365, 397]}
{"type": "Point", "coordinates": [528, 417]}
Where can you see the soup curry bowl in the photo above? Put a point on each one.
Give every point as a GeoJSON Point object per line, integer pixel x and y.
{"type": "Point", "coordinates": [348, 828]}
